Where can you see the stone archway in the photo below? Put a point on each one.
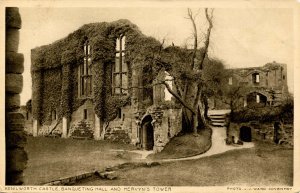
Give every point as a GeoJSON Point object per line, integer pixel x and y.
{"type": "Point", "coordinates": [147, 133]}
{"type": "Point", "coordinates": [245, 134]}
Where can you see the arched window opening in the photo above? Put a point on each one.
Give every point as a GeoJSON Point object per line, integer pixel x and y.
{"type": "Point", "coordinates": [85, 82]}
{"type": "Point", "coordinates": [255, 78]}
{"type": "Point", "coordinates": [120, 69]}
{"type": "Point", "coordinates": [256, 99]}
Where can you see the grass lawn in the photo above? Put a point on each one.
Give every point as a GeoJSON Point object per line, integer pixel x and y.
{"type": "Point", "coordinates": [53, 158]}
{"type": "Point", "coordinates": [186, 145]}
{"type": "Point", "coordinates": [264, 165]}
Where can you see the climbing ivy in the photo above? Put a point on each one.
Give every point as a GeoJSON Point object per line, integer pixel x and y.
{"type": "Point", "coordinates": [55, 68]}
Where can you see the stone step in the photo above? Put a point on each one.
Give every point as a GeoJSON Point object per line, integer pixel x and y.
{"type": "Point", "coordinates": [217, 116]}
{"type": "Point", "coordinates": [217, 124]}
{"type": "Point", "coordinates": [218, 120]}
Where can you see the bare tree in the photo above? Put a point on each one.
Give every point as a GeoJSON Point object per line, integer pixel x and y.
{"type": "Point", "coordinates": [186, 67]}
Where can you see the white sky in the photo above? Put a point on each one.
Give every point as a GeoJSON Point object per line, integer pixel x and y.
{"type": "Point", "coordinates": [240, 37]}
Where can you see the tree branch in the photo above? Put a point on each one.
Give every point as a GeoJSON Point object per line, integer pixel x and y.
{"type": "Point", "coordinates": [206, 43]}
{"type": "Point", "coordinates": [178, 98]}
{"type": "Point", "coordinates": [195, 34]}
{"type": "Point", "coordinates": [179, 90]}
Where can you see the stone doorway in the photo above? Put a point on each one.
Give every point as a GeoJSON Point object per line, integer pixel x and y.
{"type": "Point", "coordinates": [245, 134]}
{"type": "Point", "coordinates": [147, 133]}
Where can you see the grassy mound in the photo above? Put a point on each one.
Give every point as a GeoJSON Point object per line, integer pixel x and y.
{"type": "Point", "coordinates": [186, 145]}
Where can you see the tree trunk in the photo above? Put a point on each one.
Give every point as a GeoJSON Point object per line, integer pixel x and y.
{"type": "Point", "coordinates": [192, 122]}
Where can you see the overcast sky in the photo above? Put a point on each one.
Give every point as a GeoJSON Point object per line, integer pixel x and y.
{"type": "Point", "coordinates": [240, 37]}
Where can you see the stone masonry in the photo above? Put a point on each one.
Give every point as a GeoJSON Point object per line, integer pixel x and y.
{"type": "Point", "coordinates": [16, 157]}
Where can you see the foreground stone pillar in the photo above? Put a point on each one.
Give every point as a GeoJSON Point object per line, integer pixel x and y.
{"type": "Point", "coordinates": [15, 137]}
{"type": "Point", "coordinates": [65, 127]}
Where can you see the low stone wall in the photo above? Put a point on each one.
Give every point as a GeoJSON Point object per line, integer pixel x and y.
{"type": "Point", "coordinates": [117, 135]}
{"type": "Point", "coordinates": [264, 132]}
{"type": "Point", "coordinates": [166, 128]}
{"type": "Point", "coordinates": [120, 129]}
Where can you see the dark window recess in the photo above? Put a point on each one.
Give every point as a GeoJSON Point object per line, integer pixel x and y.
{"type": "Point", "coordinates": [119, 113]}
{"type": "Point", "coordinates": [27, 116]}
{"type": "Point", "coordinates": [123, 117]}
{"type": "Point", "coordinates": [283, 77]}
{"type": "Point", "coordinates": [85, 113]}
{"type": "Point", "coordinates": [255, 78]}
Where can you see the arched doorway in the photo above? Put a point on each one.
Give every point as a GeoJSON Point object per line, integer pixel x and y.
{"type": "Point", "coordinates": [147, 133]}
{"type": "Point", "coordinates": [245, 134]}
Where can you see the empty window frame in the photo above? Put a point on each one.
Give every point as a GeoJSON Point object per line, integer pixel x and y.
{"type": "Point", "coordinates": [85, 77]}
{"type": "Point", "coordinates": [255, 78]}
{"type": "Point", "coordinates": [230, 81]}
{"type": "Point", "coordinates": [85, 114]}
{"type": "Point", "coordinates": [120, 69]}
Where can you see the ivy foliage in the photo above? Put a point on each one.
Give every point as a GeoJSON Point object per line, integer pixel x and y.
{"type": "Point", "coordinates": [55, 68]}
{"type": "Point", "coordinates": [284, 112]}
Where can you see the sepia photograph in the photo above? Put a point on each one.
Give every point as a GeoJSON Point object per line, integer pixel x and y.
{"type": "Point", "coordinates": [149, 97]}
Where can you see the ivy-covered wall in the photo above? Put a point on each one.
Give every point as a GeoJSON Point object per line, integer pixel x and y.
{"type": "Point", "coordinates": [55, 75]}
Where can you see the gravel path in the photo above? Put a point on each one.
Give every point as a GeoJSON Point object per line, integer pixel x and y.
{"type": "Point", "coordinates": [218, 146]}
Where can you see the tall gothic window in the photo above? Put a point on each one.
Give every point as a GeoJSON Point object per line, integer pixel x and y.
{"type": "Point", "coordinates": [85, 82]}
{"type": "Point", "coordinates": [120, 70]}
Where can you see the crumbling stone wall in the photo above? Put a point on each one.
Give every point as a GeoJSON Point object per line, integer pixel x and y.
{"type": "Point", "coordinates": [16, 157]}
{"type": "Point", "coordinates": [78, 116]}
{"type": "Point", "coordinates": [264, 132]}
{"type": "Point", "coordinates": [120, 129]}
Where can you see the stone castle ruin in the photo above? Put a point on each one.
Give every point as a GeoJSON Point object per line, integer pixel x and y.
{"type": "Point", "coordinates": [266, 85]}
{"type": "Point", "coordinates": [98, 83]}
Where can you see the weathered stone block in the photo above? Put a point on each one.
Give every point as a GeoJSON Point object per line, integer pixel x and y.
{"type": "Point", "coordinates": [14, 62]}
{"type": "Point", "coordinates": [13, 83]}
{"type": "Point", "coordinates": [15, 127]}
{"type": "Point", "coordinates": [15, 118]}
{"type": "Point", "coordinates": [12, 40]}
{"type": "Point", "coordinates": [16, 159]}
{"type": "Point", "coordinates": [16, 139]}
{"type": "Point", "coordinates": [13, 18]}
{"type": "Point", "coordinates": [12, 101]}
